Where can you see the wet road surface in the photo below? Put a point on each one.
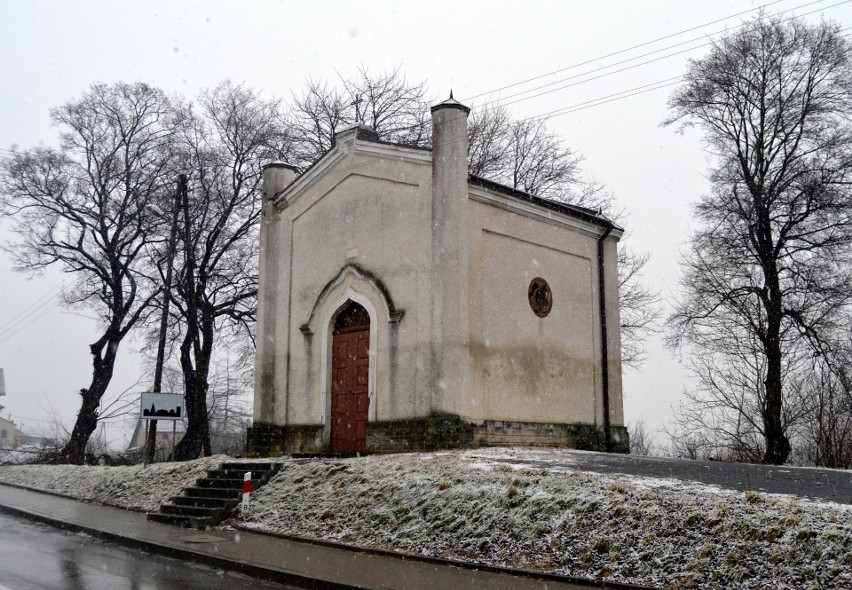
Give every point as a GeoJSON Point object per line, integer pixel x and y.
{"type": "Point", "coordinates": [834, 485]}
{"type": "Point", "coordinates": [34, 556]}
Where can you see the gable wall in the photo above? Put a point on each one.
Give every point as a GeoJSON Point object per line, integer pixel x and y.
{"type": "Point", "coordinates": [373, 214]}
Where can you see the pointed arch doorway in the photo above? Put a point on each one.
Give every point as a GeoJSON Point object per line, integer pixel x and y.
{"type": "Point", "coordinates": [350, 371]}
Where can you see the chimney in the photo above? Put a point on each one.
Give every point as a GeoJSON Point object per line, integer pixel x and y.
{"type": "Point", "coordinates": [450, 256]}
{"type": "Point", "coordinates": [449, 154]}
{"type": "Point", "coordinates": [276, 177]}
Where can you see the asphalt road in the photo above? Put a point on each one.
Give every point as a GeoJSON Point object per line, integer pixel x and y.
{"type": "Point", "coordinates": [38, 557]}
{"type": "Point", "coordinates": [834, 485]}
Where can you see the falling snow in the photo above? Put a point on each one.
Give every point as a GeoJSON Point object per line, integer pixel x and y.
{"type": "Point", "coordinates": [472, 506]}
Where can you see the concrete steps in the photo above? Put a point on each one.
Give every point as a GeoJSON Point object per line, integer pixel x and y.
{"type": "Point", "coordinates": [212, 498]}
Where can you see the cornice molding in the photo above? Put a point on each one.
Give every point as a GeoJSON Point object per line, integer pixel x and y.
{"type": "Point", "coordinates": [532, 211]}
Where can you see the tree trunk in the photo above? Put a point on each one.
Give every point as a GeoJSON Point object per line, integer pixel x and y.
{"type": "Point", "coordinates": [202, 371]}
{"type": "Point", "coordinates": [777, 444]}
{"type": "Point", "coordinates": [197, 438]}
{"type": "Point", "coordinates": [103, 365]}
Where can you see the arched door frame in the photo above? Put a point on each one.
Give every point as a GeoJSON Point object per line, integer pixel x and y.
{"type": "Point", "coordinates": [362, 287]}
{"type": "Point", "coordinates": [326, 347]}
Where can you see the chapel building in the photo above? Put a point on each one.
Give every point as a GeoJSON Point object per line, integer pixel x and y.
{"type": "Point", "coordinates": [405, 304]}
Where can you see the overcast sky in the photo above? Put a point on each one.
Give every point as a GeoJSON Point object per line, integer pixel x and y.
{"type": "Point", "coordinates": [50, 52]}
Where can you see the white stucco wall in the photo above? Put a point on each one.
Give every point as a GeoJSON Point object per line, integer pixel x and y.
{"type": "Point", "coordinates": [10, 441]}
{"type": "Point", "coordinates": [523, 367]}
{"type": "Point", "coordinates": [370, 213]}
{"type": "Point", "coordinates": [363, 224]}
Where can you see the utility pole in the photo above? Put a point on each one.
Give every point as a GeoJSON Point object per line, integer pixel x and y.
{"type": "Point", "coordinates": [151, 445]}
{"type": "Point", "coordinates": [2, 385]}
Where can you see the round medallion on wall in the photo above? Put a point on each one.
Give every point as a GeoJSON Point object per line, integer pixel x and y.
{"type": "Point", "coordinates": [541, 298]}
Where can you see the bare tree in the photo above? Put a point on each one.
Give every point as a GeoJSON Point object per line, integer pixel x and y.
{"type": "Point", "coordinates": [720, 419]}
{"type": "Point", "coordinates": [229, 407]}
{"type": "Point", "coordinates": [826, 438]}
{"type": "Point", "coordinates": [723, 412]}
{"type": "Point", "coordinates": [770, 261]}
{"type": "Point", "coordinates": [641, 439]}
{"type": "Point", "coordinates": [82, 208]}
{"type": "Point", "coordinates": [525, 155]}
{"type": "Point", "coordinates": [388, 103]}
{"type": "Point", "coordinates": [396, 109]}
{"type": "Point", "coordinates": [315, 118]}
{"type": "Point", "coordinates": [639, 306]}
{"type": "Point", "coordinates": [229, 137]}
{"type": "Point", "coordinates": [489, 140]}
{"type": "Point", "coordinates": [539, 162]}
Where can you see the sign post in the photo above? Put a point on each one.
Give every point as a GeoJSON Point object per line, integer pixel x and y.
{"type": "Point", "coordinates": [161, 406]}
{"type": "Point", "coordinates": [246, 491]}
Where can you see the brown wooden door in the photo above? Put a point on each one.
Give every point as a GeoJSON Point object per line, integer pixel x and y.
{"type": "Point", "coordinates": [350, 369]}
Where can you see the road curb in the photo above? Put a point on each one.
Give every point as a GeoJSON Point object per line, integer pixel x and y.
{"type": "Point", "coordinates": [495, 569]}
{"type": "Point", "coordinates": [282, 576]}
{"type": "Point", "coordinates": [252, 570]}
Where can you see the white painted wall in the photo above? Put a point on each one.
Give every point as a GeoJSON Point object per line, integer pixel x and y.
{"type": "Point", "coordinates": [10, 440]}
{"type": "Point", "coordinates": [361, 225]}
{"type": "Point", "coordinates": [527, 368]}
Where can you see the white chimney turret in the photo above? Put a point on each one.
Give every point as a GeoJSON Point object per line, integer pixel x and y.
{"type": "Point", "coordinates": [450, 264]}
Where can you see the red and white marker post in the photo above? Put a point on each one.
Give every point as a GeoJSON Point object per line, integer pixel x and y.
{"type": "Point", "coordinates": [246, 490]}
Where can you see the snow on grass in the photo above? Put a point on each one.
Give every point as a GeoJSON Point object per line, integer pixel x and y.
{"type": "Point", "coordinates": [133, 487]}
{"type": "Point", "coordinates": [459, 505]}
{"type": "Point", "coordinates": [538, 514]}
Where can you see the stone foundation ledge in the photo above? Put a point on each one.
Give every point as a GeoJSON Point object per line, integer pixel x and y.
{"type": "Point", "coordinates": [435, 432]}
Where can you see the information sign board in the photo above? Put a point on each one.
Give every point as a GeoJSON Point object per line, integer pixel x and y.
{"type": "Point", "coordinates": [162, 406]}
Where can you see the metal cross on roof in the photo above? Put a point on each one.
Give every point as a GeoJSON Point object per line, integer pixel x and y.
{"type": "Point", "coordinates": [357, 104]}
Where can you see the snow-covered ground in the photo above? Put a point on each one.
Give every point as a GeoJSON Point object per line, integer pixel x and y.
{"type": "Point", "coordinates": [133, 487]}
{"type": "Point", "coordinates": [467, 505]}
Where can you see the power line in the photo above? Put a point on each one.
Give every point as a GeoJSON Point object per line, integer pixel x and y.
{"type": "Point", "coordinates": [623, 94]}
{"type": "Point", "coordinates": [628, 60]}
{"type": "Point", "coordinates": [607, 99]}
{"type": "Point", "coordinates": [658, 85]}
{"type": "Point", "coordinates": [37, 303]}
{"type": "Point", "coordinates": [9, 333]}
{"type": "Point", "coordinates": [498, 104]}
{"type": "Point", "coordinates": [620, 51]}
{"type": "Point", "coordinates": [624, 61]}
{"type": "Point", "coordinates": [644, 44]}
{"type": "Point", "coordinates": [40, 308]}
{"type": "Point", "coordinates": [581, 82]}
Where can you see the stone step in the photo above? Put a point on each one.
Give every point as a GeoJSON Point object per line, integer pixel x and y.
{"type": "Point", "coordinates": [217, 482]}
{"type": "Point", "coordinates": [253, 467]}
{"type": "Point", "coordinates": [221, 503]}
{"type": "Point", "coordinates": [226, 493]}
{"type": "Point", "coordinates": [236, 474]}
{"type": "Point", "coordinates": [212, 498]}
